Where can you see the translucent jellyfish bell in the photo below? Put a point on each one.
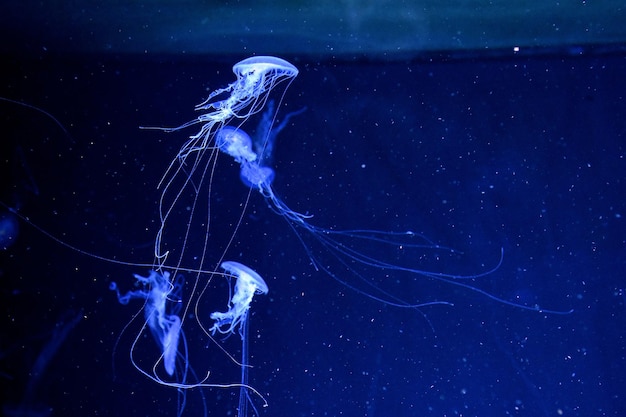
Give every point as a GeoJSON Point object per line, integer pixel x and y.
{"type": "Point", "coordinates": [261, 72]}
{"type": "Point", "coordinates": [256, 176]}
{"type": "Point", "coordinates": [236, 143]}
{"type": "Point", "coordinates": [261, 64]}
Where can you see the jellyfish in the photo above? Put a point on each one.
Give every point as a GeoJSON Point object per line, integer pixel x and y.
{"type": "Point", "coordinates": [187, 180]}
{"type": "Point", "coordinates": [236, 144]}
{"type": "Point", "coordinates": [162, 303]}
{"type": "Point", "coordinates": [248, 284]}
{"type": "Point", "coordinates": [252, 174]}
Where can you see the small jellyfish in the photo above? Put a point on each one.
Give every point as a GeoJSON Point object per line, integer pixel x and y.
{"type": "Point", "coordinates": [248, 284]}
{"type": "Point", "coordinates": [235, 143]}
{"type": "Point", "coordinates": [254, 175]}
{"type": "Point", "coordinates": [162, 304]}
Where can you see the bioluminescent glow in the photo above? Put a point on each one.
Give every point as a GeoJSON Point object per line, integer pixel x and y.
{"type": "Point", "coordinates": [162, 304]}
{"type": "Point", "coordinates": [248, 284]}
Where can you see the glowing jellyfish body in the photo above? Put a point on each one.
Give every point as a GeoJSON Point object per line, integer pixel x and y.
{"type": "Point", "coordinates": [248, 284]}
{"type": "Point", "coordinates": [235, 143]}
{"type": "Point", "coordinates": [254, 175]}
{"type": "Point", "coordinates": [161, 300]}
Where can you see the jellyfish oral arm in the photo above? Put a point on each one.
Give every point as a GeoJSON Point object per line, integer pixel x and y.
{"type": "Point", "coordinates": [164, 326]}
{"type": "Point", "coordinates": [169, 343]}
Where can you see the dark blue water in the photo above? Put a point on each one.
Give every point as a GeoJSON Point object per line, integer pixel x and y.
{"type": "Point", "coordinates": [522, 153]}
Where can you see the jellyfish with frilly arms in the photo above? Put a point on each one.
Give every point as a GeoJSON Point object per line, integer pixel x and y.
{"type": "Point", "coordinates": [162, 304]}
{"type": "Point", "coordinates": [256, 77]}
{"type": "Point", "coordinates": [249, 283]}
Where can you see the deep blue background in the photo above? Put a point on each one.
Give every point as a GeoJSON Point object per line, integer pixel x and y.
{"type": "Point", "coordinates": [520, 153]}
